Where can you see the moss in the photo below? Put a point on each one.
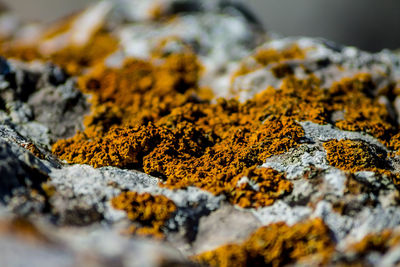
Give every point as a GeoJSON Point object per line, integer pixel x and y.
{"type": "Point", "coordinates": [276, 245]}
{"type": "Point", "coordinates": [151, 212]}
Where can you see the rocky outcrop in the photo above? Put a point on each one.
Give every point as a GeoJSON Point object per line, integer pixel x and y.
{"type": "Point", "coordinates": [164, 133]}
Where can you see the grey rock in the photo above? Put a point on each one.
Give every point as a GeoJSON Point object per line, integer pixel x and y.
{"type": "Point", "coordinates": [226, 225]}
{"type": "Point", "coordinates": [82, 189]}
{"type": "Point", "coordinates": [282, 212]}
{"type": "Point", "coordinates": [40, 104]}
{"type": "Point", "coordinates": [37, 97]}
{"type": "Point", "coordinates": [16, 174]}
{"type": "Point", "coordinates": [84, 247]}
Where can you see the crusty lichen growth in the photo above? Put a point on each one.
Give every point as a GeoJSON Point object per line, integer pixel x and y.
{"type": "Point", "coordinates": [362, 111]}
{"type": "Point", "coordinates": [151, 212]}
{"type": "Point", "coordinates": [73, 58]}
{"type": "Point", "coordinates": [359, 253]}
{"type": "Point", "coordinates": [268, 56]}
{"type": "Point", "coordinates": [355, 155]}
{"type": "Point", "coordinates": [152, 115]}
{"type": "Point", "coordinates": [259, 187]}
{"type": "Point", "coordinates": [159, 125]}
{"type": "Point", "coordinates": [147, 116]}
{"type": "Point", "coordinates": [276, 245]}
{"type": "Point", "coordinates": [380, 242]}
{"type": "Point", "coordinates": [376, 242]}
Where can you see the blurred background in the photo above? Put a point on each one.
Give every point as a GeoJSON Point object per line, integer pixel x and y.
{"type": "Point", "coordinates": [369, 24]}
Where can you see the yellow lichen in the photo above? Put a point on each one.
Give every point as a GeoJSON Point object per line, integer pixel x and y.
{"type": "Point", "coordinates": [380, 242]}
{"type": "Point", "coordinates": [362, 111]}
{"type": "Point", "coordinates": [264, 57]}
{"type": "Point", "coordinates": [276, 245]}
{"type": "Point", "coordinates": [267, 56]}
{"type": "Point", "coordinates": [355, 155]}
{"type": "Point", "coordinates": [151, 212]}
{"type": "Point", "coordinates": [74, 59]}
{"type": "Point", "coordinates": [163, 129]}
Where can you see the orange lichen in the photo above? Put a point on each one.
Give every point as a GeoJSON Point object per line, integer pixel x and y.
{"type": "Point", "coordinates": [264, 57]}
{"type": "Point", "coordinates": [394, 143]}
{"type": "Point", "coordinates": [141, 90]}
{"type": "Point", "coordinates": [165, 130]}
{"type": "Point", "coordinates": [302, 100]}
{"type": "Point", "coordinates": [379, 242]}
{"type": "Point", "coordinates": [355, 155]}
{"type": "Point", "coordinates": [267, 56]}
{"type": "Point", "coordinates": [276, 245]}
{"type": "Point", "coordinates": [74, 59]}
{"type": "Point", "coordinates": [282, 70]}
{"type": "Point", "coordinates": [185, 156]}
{"type": "Point", "coordinates": [147, 116]}
{"type": "Point", "coordinates": [362, 111]}
{"type": "Point", "coordinates": [151, 212]}
{"type": "Point", "coordinates": [23, 229]}
{"type": "Point", "coordinates": [261, 187]}
{"type": "Point", "coordinates": [34, 150]}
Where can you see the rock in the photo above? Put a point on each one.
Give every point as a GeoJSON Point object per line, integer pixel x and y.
{"type": "Point", "coordinates": [321, 119]}
{"type": "Point", "coordinates": [100, 247]}
{"type": "Point", "coordinates": [238, 225]}
{"type": "Point", "coordinates": [16, 174]}
{"type": "Point", "coordinates": [37, 97]}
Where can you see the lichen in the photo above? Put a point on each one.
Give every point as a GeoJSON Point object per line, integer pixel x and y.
{"type": "Point", "coordinates": [362, 111]}
{"type": "Point", "coordinates": [73, 58]}
{"type": "Point", "coordinates": [276, 245]}
{"type": "Point", "coordinates": [148, 117]}
{"type": "Point", "coordinates": [355, 155]}
{"type": "Point", "coordinates": [379, 242]}
{"type": "Point", "coordinates": [150, 212]}
{"type": "Point", "coordinates": [267, 56]}
{"type": "Point", "coordinates": [359, 253]}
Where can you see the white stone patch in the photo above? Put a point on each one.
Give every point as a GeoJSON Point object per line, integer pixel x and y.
{"type": "Point", "coordinates": [337, 179]}
{"type": "Point", "coordinates": [97, 186]}
{"type": "Point", "coordinates": [247, 86]}
{"type": "Point", "coordinates": [391, 258]}
{"type": "Point", "coordinates": [317, 132]}
{"type": "Point", "coordinates": [221, 41]}
{"type": "Point", "coordinates": [294, 163]}
{"type": "Point", "coordinates": [282, 212]}
{"type": "Point", "coordinates": [246, 180]}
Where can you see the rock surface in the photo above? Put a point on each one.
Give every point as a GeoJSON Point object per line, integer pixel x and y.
{"type": "Point", "coordinates": [338, 175]}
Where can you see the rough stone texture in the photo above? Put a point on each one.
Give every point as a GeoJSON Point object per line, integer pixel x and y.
{"type": "Point", "coordinates": [44, 245]}
{"type": "Point", "coordinates": [15, 173]}
{"type": "Point", "coordinates": [238, 225]}
{"type": "Point", "coordinates": [37, 98]}
{"type": "Point", "coordinates": [40, 104]}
